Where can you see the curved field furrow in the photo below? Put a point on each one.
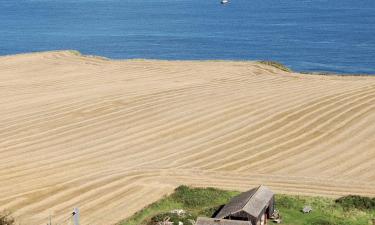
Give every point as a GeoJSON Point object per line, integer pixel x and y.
{"type": "Point", "coordinates": [81, 194]}
{"type": "Point", "coordinates": [291, 148]}
{"type": "Point", "coordinates": [80, 109]}
{"type": "Point", "coordinates": [309, 131]}
{"type": "Point", "coordinates": [264, 133]}
{"type": "Point", "coordinates": [195, 155]}
{"type": "Point", "coordinates": [111, 136]}
{"type": "Point", "coordinates": [128, 112]}
{"type": "Point", "coordinates": [317, 186]}
{"type": "Point", "coordinates": [327, 160]}
{"type": "Point", "coordinates": [85, 154]}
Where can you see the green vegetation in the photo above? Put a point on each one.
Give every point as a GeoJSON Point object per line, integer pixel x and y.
{"type": "Point", "coordinates": [326, 211]}
{"type": "Point", "coordinates": [186, 218]}
{"type": "Point", "coordinates": [195, 201]}
{"type": "Point", "coordinates": [276, 64]}
{"type": "Point", "coordinates": [350, 210]}
{"type": "Point", "coordinates": [356, 202]}
{"type": "Point", "coordinates": [75, 52]}
{"type": "Point", "coordinates": [201, 197]}
{"type": "Point", "coordinates": [285, 68]}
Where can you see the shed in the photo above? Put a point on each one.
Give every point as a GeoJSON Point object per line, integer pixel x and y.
{"type": "Point", "coordinates": [255, 205]}
{"type": "Point", "coordinates": [215, 221]}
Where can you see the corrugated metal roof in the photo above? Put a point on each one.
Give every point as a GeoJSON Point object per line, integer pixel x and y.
{"type": "Point", "coordinates": [214, 221]}
{"type": "Point", "coordinates": [252, 202]}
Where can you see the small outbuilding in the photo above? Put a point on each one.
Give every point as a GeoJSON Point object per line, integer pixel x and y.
{"type": "Point", "coordinates": [256, 206]}
{"type": "Point", "coordinates": [214, 221]}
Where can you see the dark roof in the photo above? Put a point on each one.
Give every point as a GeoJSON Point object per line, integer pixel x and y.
{"type": "Point", "coordinates": [252, 202]}
{"type": "Point", "coordinates": [214, 221]}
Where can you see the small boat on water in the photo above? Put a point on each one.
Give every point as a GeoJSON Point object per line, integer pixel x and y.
{"type": "Point", "coordinates": [224, 1]}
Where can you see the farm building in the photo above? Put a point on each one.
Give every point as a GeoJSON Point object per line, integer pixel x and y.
{"type": "Point", "coordinates": [256, 205]}
{"type": "Point", "coordinates": [214, 221]}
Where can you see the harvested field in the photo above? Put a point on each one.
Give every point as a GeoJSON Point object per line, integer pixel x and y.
{"type": "Point", "coordinates": [111, 137]}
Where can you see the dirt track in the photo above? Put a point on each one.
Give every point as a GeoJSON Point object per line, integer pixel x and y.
{"type": "Point", "coordinates": [113, 136]}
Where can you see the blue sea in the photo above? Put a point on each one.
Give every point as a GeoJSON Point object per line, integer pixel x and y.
{"type": "Point", "coordinates": [306, 35]}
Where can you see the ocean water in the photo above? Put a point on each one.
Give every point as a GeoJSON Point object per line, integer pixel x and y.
{"type": "Point", "coordinates": [306, 35]}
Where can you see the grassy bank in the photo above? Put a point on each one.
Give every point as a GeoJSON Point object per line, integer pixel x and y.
{"type": "Point", "coordinates": [276, 65]}
{"type": "Point", "coordinates": [205, 201]}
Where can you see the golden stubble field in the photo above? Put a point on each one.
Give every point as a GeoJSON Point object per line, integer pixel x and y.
{"type": "Point", "coordinates": [110, 137]}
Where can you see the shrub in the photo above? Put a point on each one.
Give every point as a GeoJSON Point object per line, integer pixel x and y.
{"type": "Point", "coordinates": [200, 197]}
{"type": "Point", "coordinates": [173, 217]}
{"type": "Point", "coordinates": [277, 65]}
{"type": "Point", "coordinates": [356, 202]}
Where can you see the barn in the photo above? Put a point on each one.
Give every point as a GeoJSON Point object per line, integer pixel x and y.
{"type": "Point", "coordinates": [256, 205]}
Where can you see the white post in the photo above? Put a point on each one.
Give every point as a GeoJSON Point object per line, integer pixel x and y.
{"type": "Point", "coordinates": [76, 216]}
{"type": "Point", "coordinates": [49, 219]}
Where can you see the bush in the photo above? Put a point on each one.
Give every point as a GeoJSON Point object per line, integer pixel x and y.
{"type": "Point", "coordinates": [173, 217]}
{"type": "Point", "coordinates": [6, 218]}
{"type": "Point", "coordinates": [200, 197]}
{"type": "Point", "coordinates": [277, 65]}
{"type": "Point", "coordinates": [356, 202]}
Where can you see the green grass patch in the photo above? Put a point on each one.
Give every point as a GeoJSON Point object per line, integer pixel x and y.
{"type": "Point", "coordinates": [206, 201]}
{"type": "Point", "coordinates": [276, 65]}
{"type": "Point", "coordinates": [356, 202]}
{"type": "Point", "coordinates": [193, 198]}
{"type": "Point", "coordinates": [325, 212]}
{"type": "Point", "coordinates": [195, 201]}
{"type": "Point", "coordinates": [75, 52]}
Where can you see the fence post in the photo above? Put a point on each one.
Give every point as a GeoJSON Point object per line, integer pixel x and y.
{"type": "Point", "coordinates": [76, 216]}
